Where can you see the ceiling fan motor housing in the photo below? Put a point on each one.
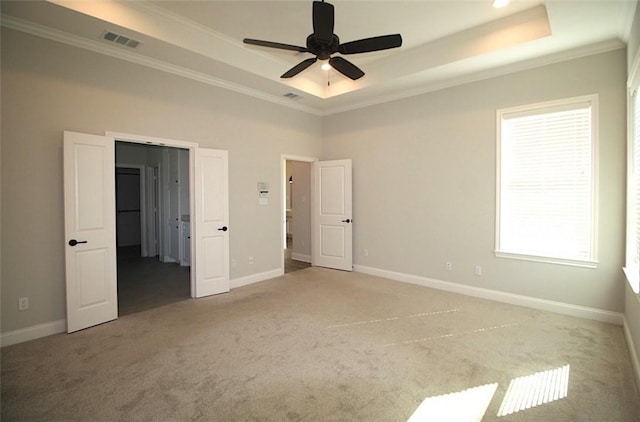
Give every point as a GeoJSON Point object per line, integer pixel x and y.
{"type": "Point", "coordinates": [322, 50]}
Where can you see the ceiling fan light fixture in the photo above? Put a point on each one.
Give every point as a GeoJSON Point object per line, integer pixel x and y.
{"type": "Point", "coordinates": [500, 3]}
{"type": "Point", "coordinates": [325, 65]}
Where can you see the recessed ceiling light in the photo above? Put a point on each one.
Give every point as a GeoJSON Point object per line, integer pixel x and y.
{"type": "Point", "coordinates": [500, 3]}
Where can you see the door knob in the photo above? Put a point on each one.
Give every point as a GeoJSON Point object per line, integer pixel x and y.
{"type": "Point", "coordinates": [223, 228]}
{"type": "Point", "coordinates": [347, 220]}
{"type": "Point", "coordinates": [74, 242]}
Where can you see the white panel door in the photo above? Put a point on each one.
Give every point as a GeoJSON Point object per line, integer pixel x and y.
{"type": "Point", "coordinates": [90, 250]}
{"type": "Point", "coordinates": [211, 216]}
{"type": "Point", "coordinates": [333, 236]}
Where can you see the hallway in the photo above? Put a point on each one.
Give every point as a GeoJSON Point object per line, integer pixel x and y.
{"type": "Point", "coordinates": [146, 283]}
{"type": "Point", "coordinates": [290, 264]}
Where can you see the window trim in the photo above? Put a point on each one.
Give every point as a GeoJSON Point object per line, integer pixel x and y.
{"type": "Point", "coordinates": [633, 83]}
{"type": "Point", "coordinates": [592, 99]}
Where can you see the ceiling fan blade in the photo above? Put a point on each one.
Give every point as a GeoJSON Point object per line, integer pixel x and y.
{"type": "Point", "coordinates": [345, 67]}
{"type": "Point", "coordinates": [275, 45]}
{"type": "Point", "coordinates": [299, 68]}
{"type": "Point", "coordinates": [323, 20]}
{"type": "Point", "coordinates": [366, 45]}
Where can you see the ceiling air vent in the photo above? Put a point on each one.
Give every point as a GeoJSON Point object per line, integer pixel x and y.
{"type": "Point", "coordinates": [292, 96]}
{"type": "Point", "coordinates": [120, 39]}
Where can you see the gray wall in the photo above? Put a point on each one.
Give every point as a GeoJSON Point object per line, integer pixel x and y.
{"type": "Point", "coordinates": [49, 87]}
{"type": "Point", "coordinates": [424, 182]}
{"type": "Point", "coordinates": [128, 153]}
{"type": "Point", "coordinates": [632, 301]}
{"type": "Point", "coordinates": [424, 169]}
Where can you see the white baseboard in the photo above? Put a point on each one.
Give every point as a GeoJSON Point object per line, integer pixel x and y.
{"type": "Point", "coordinates": [32, 333]}
{"type": "Point", "coordinates": [498, 296]}
{"type": "Point", "coordinates": [60, 326]}
{"type": "Point", "coordinates": [301, 257]}
{"type": "Point", "coordinates": [42, 330]}
{"type": "Point", "coordinates": [633, 353]}
{"type": "Point", "coordinates": [255, 278]}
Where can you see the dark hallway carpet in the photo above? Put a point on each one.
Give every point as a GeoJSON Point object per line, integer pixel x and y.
{"type": "Point", "coordinates": [146, 283]}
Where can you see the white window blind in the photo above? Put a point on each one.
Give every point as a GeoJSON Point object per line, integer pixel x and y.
{"type": "Point", "coordinates": [633, 243]}
{"type": "Point", "coordinates": [546, 181]}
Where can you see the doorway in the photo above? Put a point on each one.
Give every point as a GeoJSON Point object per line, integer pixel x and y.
{"type": "Point", "coordinates": [152, 226]}
{"type": "Point", "coordinates": [128, 211]}
{"type": "Point", "coordinates": [297, 216]}
{"type": "Point", "coordinates": [90, 228]}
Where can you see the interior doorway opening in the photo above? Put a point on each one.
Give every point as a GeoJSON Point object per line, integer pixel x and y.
{"type": "Point", "coordinates": [89, 206]}
{"type": "Point", "coordinates": [152, 226]}
{"type": "Point", "coordinates": [128, 211]}
{"type": "Point", "coordinates": [297, 216]}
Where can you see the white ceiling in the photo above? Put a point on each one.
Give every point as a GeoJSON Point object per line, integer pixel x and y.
{"type": "Point", "coordinates": [445, 42]}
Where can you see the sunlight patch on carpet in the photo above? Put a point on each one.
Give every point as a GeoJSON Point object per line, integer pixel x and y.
{"type": "Point", "coordinates": [467, 405]}
{"type": "Point", "coordinates": [535, 389]}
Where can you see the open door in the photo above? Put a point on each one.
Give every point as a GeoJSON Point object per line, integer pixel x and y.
{"type": "Point", "coordinates": [90, 227]}
{"type": "Point", "coordinates": [333, 234]}
{"type": "Point", "coordinates": [90, 234]}
{"type": "Point", "coordinates": [211, 215]}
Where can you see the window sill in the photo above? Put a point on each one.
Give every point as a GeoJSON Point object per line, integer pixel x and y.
{"type": "Point", "coordinates": [633, 278]}
{"type": "Point", "coordinates": [548, 260]}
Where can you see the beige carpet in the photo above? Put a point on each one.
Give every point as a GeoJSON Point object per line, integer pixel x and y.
{"type": "Point", "coordinates": [321, 345]}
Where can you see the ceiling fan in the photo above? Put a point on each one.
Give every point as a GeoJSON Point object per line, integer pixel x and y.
{"type": "Point", "coordinates": [323, 43]}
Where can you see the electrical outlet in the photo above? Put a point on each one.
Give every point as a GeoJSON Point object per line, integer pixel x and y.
{"type": "Point", "coordinates": [23, 303]}
{"type": "Point", "coordinates": [478, 270]}
{"type": "Point", "coordinates": [251, 260]}
{"type": "Point", "coordinates": [233, 263]}
{"type": "Point", "coordinates": [448, 265]}
{"type": "Point", "coordinates": [366, 252]}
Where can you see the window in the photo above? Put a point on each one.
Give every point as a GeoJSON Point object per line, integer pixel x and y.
{"type": "Point", "coordinates": [546, 185]}
{"type": "Point", "coordinates": [632, 269]}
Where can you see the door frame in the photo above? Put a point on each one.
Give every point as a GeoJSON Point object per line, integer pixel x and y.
{"type": "Point", "coordinates": [152, 214]}
{"type": "Point", "coordinates": [143, 204]}
{"type": "Point", "coordinates": [283, 201]}
{"type": "Point", "coordinates": [171, 143]}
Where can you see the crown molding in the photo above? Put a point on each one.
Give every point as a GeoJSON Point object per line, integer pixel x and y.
{"type": "Point", "coordinates": [199, 28]}
{"type": "Point", "coordinates": [107, 50]}
{"type": "Point", "coordinates": [502, 70]}
{"type": "Point", "coordinates": [101, 48]}
{"type": "Point", "coordinates": [633, 78]}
